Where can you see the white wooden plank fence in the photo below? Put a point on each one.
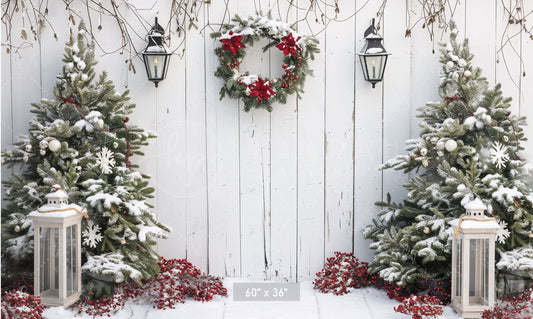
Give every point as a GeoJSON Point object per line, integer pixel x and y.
{"type": "Point", "coordinates": [271, 195]}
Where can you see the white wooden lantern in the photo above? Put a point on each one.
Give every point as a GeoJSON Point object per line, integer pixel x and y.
{"type": "Point", "coordinates": [57, 250]}
{"type": "Point", "coordinates": [473, 261]}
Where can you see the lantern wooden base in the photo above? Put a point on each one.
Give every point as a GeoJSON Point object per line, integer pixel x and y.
{"type": "Point", "coordinates": [49, 298]}
{"type": "Point", "coordinates": [472, 313]}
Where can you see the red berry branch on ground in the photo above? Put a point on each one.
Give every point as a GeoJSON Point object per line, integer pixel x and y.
{"type": "Point", "coordinates": [342, 272]}
{"type": "Point", "coordinates": [520, 306]}
{"type": "Point", "coordinates": [17, 304]}
{"type": "Point", "coordinates": [177, 280]}
{"type": "Point", "coordinates": [420, 307]}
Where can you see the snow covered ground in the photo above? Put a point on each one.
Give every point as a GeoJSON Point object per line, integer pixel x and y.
{"type": "Point", "coordinates": [367, 303]}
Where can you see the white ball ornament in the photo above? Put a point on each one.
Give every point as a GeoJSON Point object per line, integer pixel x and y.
{"type": "Point", "coordinates": [449, 65]}
{"type": "Point", "coordinates": [81, 65]}
{"type": "Point", "coordinates": [122, 241]}
{"type": "Point", "coordinates": [28, 147]}
{"type": "Point", "coordinates": [70, 66]}
{"type": "Point", "coordinates": [84, 77]}
{"type": "Point", "coordinates": [423, 151]}
{"type": "Point", "coordinates": [450, 145]}
{"type": "Point", "coordinates": [17, 228]}
{"type": "Point", "coordinates": [426, 230]}
{"type": "Point", "coordinates": [43, 152]}
{"type": "Point", "coordinates": [43, 144]}
{"type": "Point", "coordinates": [467, 74]}
{"type": "Point", "coordinates": [54, 145]}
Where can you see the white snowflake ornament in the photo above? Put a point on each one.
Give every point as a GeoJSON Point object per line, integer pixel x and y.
{"type": "Point", "coordinates": [503, 233]}
{"type": "Point", "coordinates": [105, 160]}
{"type": "Point", "coordinates": [498, 155]}
{"type": "Point", "coordinates": [91, 234]}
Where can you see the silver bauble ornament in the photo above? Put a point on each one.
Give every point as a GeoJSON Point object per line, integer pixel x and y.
{"type": "Point", "coordinates": [17, 228]}
{"type": "Point", "coordinates": [440, 145]}
{"type": "Point", "coordinates": [426, 230]}
{"type": "Point", "coordinates": [467, 74]}
{"type": "Point", "coordinates": [451, 145]}
{"type": "Point", "coordinates": [122, 241]}
{"type": "Point", "coordinates": [54, 145]}
{"type": "Point", "coordinates": [424, 151]}
{"type": "Point", "coordinates": [43, 152]}
{"type": "Point", "coordinates": [28, 147]}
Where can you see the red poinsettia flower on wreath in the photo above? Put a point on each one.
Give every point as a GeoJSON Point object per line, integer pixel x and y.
{"type": "Point", "coordinates": [261, 90]}
{"type": "Point", "coordinates": [233, 44]}
{"type": "Point", "coordinates": [288, 45]}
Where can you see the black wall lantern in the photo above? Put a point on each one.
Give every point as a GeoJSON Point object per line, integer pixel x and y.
{"type": "Point", "coordinates": [373, 56]}
{"type": "Point", "coordinates": [156, 55]}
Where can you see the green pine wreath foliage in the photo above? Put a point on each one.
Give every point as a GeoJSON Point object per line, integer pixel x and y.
{"type": "Point", "coordinates": [257, 91]}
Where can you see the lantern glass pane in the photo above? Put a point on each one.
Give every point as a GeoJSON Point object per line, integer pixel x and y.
{"type": "Point", "coordinates": [458, 263]}
{"type": "Point", "coordinates": [72, 271]}
{"type": "Point", "coordinates": [156, 66]}
{"type": "Point", "coordinates": [375, 65]}
{"type": "Point", "coordinates": [363, 66]}
{"type": "Point", "coordinates": [478, 267]}
{"type": "Point", "coordinates": [49, 257]}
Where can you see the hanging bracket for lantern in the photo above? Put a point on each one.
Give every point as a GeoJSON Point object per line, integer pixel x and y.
{"type": "Point", "coordinates": [156, 56]}
{"type": "Point", "coordinates": [373, 56]}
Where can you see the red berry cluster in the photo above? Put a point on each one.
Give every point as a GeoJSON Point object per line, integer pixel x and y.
{"type": "Point", "coordinates": [17, 304]}
{"type": "Point", "coordinates": [395, 292]}
{"type": "Point", "coordinates": [342, 272]}
{"type": "Point", "coordinates": [178, 279]}
{"type": "Point", "coordinates": [420, 307]}
{"type": "Point", "coordinates": [290, 77]}
{"type": "Point", "coordinates": [520, 306]}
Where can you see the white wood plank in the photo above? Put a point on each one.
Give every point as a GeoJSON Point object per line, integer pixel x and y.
{"type": "Point", "coordinates": [25, 78]}
{"type": "Point", "coordinates": [339, 132]}
{"type": "Point", "coordinates": [284, 174]}
{"type": "Point", "coordinates": [255, 168]}
{"type": "Point", "coordinates": [6, 116]}
{"type": "Point", "coordinates": [171, 160]}
{"type": "Point", "coordinates": [311, 110]}
{"type": "Point", "coordinates": [222, 139]}
{"type": "Point", "coordinates": [508, 71]}
{"type": "Point", "coordinates": [481, 32]}
{"type": "Point", "coordinates": [396, 106]}
{"type": "Point", "coordinates": [368, 139]}
{"type": "Point", "coordinates": [52, 50]}
{"type": "Point", "coordinates": [196, 178]}
{"type": "Point", "coordinates": [526, 97]}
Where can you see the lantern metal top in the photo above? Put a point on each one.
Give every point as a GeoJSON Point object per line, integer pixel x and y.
{"type": "Point", "coordinates": [373, 45]}
{"type": "Point", "coordinates": [475, 220]}
{"type": "Point", "coordinates": [57, 208]}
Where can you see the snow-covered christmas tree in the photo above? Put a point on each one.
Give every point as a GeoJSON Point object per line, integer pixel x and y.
{"type": "Point", "coordinates": [468, 147]}
{"type": "Point", "coordinates": [82, 141]}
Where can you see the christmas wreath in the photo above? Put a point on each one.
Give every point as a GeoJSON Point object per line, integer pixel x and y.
{"type": "Point", "coordinates": [255, 90]}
